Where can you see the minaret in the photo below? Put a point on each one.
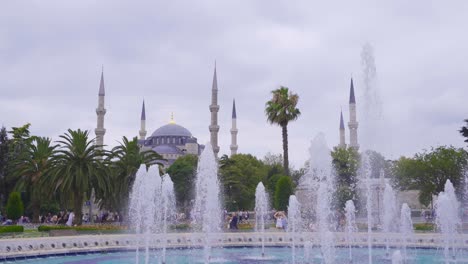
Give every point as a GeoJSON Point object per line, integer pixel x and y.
{"type": "Point", "coordinates": [352, 124]}
{"type": "Point", "coordinates": [100, 112]}
{"type": "Point", "coordinates": [234, 130]}
{"type": "Point", "coordinates": [342, 132]}
{"type": "Point", "coordinates": [143, 122]}
{"type": "Point", "coordinates": [214, 108]}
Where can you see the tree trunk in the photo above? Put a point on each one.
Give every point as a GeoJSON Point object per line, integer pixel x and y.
{"type": "Point", "coordinates": [36, 211]}
{"type": "Point", "coordinates": [77, 207]}
{"type": "Point", "coordinates": [285, 149]}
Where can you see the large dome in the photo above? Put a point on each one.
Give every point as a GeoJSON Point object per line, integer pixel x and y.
{"type": "Point", "coordinates": [172, 130]}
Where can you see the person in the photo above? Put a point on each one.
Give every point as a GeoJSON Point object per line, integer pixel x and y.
{"type": "Point", "coordinates": [70, 219]}
{"type": "Point", "coordinates": [86, 218]}
{"type": "Point", "coordinates": [233, 222]}
{"type": "Point", "coordinates": [284, 222]}
{"type": "Point", "coordinates": [279, 221]}
{"type": "Point", "coordinates": [54, 219]}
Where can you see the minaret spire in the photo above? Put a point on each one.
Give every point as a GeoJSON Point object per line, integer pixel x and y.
{"type": "Point", "coordinates": [100, 112]}
{"type": "Point", "coordinates": [101, 85]}
{"type": "Point", "coordinates": [214, 109]}
{"type": "Point", "coordinates": [342, 132]}
{"type": "Point", "coordinates": [352, 124]}
{"type": "Point", "coordinates": [234, 129]}
{"type": "Point", "coordinates": [143, 122]}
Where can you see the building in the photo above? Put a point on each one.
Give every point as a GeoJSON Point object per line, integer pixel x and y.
{"type": "Point", "coordinates": [172, 140]}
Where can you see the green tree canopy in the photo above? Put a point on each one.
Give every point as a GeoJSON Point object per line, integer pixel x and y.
{"type": "Point", "coordinates": [29, 170]}
{"type": "Point", "coordinates": [17, 150]}
{"type": "Point", "coordinates": [280, 110]}
{"type": "Point", "coordinates": [183, 172]}
{"type": "Point", "coordinates": [15, 208]}
{"type": "Point", "coordinates": [240, 175]}
{"type": "Point", "coordinates": [428, 171]}
{"type": "Point", "coordinates": [4, 150]}
{"type": "Point", "coordinates": [125, 160]}
{"type": "Point", "coordinates": [345, 162]}
{"type": "Point", "coordinates": [284, 189]}
{"type": "Point", "coordinates": [464, 131]}
{"type": "Point", "coordinates": [77, 168]}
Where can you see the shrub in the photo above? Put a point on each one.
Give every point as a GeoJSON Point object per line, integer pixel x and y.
{"type": "Point", "coordinates": [245, 226]}
{"type": "Point", "coordinates": [111, 228]}
{"type": "Point", "coordinates": [424, 227]}
{"type": "Point", "coordinates": [180, 227]}
{"type": "Point", "coordinates": [15, 207]}
{"type": "Point", "coordinates": [282, 192]}
{"type": "Point", "coordinates": [43, 228]}
{"type": "Point", "coordinates": [11, 229]}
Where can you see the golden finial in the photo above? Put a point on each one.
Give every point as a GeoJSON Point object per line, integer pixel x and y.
{"type": "Point", "coordinates": [172, 118]}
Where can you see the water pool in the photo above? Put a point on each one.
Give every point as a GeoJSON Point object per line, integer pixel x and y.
{"type": "Point", "coordinates": [245, 255]}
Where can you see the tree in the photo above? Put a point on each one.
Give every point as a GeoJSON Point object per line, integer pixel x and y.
{"type": "Point", "coordinates": [15, 208]}
{"type": "Point", "coordinates": [17, 146]}
{"type": "Point", "coordinates": [77, 168]}
{"type": "Point", "coordinates": [281, 110]}
{"type": "Point", "coordinates": [239, 176]}
{"type": "Point", "coordinates": [4, 150]}
{"type": "Point", "coordinates": [283, 190]}
{"type": "Point", "coordinates": [183, 172]}
{"type": "Point", "coordinates": [345, 162]}
{"type": "Point", "coordinates": [125, 160]}
{"type": "Point", "coordinates": [428, 171]}
{"type": "Point", "coordinates": [29, 171]}
{"type": "Point", "coordinates": [464, 131]}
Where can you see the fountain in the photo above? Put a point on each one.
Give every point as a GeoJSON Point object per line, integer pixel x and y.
{"type": "Point", "coordinates": [406, 227]}
{"type": "Point", "coordinates": [294, 218]}
{"type": "Point", "coordinates": [143, 201]}
{"type": "Point", "coordinates": [322, 180]}
{"type": "Point", "coordinates": [365, 172]}
{"type": "Point", "coordinates": [350, 212]}
{"type": "Point", "coordinates": [261, 212]}
{"type": "Point", "coordinates": [206, 213]}
{"type": "Point", "coordinates": [168, 204]}
{"type": "Point", "coordinates": [389, 213]}
{"type": "Point", "coordinates": [448, 219]}
{"type": "Point", "coordinates": [397, 258]}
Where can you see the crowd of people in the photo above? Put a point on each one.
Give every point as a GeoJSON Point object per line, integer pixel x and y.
{"type": "Point", "coordinates": [233, 219]}
{"type": "Point", "coordinates": [66, 218]}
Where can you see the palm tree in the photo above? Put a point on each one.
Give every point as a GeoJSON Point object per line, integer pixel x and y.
{"type": "Point", "coordinates": [77, 169]}
{"type": "Point", "coordinates": [34, 166]}
{"type": "Point", "coordinates": [464, 131]}
{"type": "Point", "coordinates": [126, 159]}
{"type": "Point", "coordinates": [280, 110]}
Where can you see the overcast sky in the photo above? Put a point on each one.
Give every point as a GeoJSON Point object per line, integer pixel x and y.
{"type": "Point", "coordinates": [51, 53]}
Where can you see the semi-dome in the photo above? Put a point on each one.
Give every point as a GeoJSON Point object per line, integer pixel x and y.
{"type": "Point", "coordinates": [172, 129]}
{"type": "Point", "coordinates": [167, 149]}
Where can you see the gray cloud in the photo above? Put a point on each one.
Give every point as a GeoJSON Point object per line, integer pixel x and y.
{"type": "Point", "coordinates": [51, 54]}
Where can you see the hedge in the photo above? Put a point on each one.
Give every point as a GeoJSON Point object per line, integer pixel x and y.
{"type": "Point", "coordinates": [424, 227]}
{"type": "Point", "coordinates": [180, 227]}
{"type": "Point", "coordinates": [111, 228]}
{"type": "Point", "coordinates": [11, 229]}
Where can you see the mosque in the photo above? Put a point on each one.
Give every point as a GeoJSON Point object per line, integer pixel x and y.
{"type": "Point", "coordinates": [172, 140]}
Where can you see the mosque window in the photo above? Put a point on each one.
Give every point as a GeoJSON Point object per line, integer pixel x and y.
{"type": "Point", "coordinates": [162, 140]}
{"type": "Point", "coordinates": [173, 140]}
{"type": "Point", "coordinates": [180, 141]}
{"type": "Point", "coordinates": [157, 141]}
